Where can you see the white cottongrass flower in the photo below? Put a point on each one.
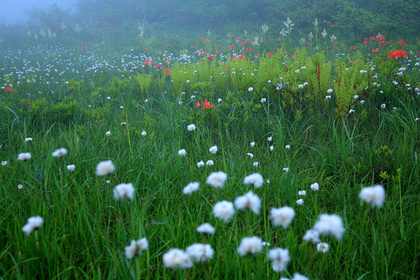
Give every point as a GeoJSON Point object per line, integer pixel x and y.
{"type": "Point", "coordinates": [136, 248]}
{"type": "Point", "coordinates": [209, 162]}
{"type": "Point", "coordinates": [383, 106]}
{"type": "Point", "coordinates": [279, 258]}
{"type": "Point", "coordinates": [4, 163]}
{"type": "Point", "coordinates": [287, 147]}
{"type": "Point", "coordinates": [200, 164]}
{"type": "Point", "coordinates": [374, 195]}
{"type": "Point", "coordinates": [213, 150]}
{"type": "Point", "coordinates": [254, 179]}
{"type": "Point", "coordinates": [105, 168]}
{"type": "Point", "coordinates": [71, 167]}
{"type": "Point", "coordinates": [143, 133]}
{"type": "Point", "coordinates": [29, 139]}
{"type": "Point", "coordinates": [286, 169]}
{"type": "Point", "coordinates": [217, 179]}
{"type": "Point", "coordinates": [249, 201]}
{"type": "Point", "coordinates": [264, 244]}
{"type": "Point", "coordinates": [60, 152]}
{"type": "Point", "coordinates": [250, 89]}
{"type": "Point", "coordinates": [250, 155]}
{"type": "Point", "coordinates": [252, 144]}
{"type": "Point", "coordinates": [282, 216]}
{"type": "Point", "coordinates": [108, 133]}
{"type": "Point", "coordinates": [269, 139]}
{"type": "Point", "coordinates": [351, 111]}
{"type": "Point", "coordinates": [200, 252]}
{"type": "Point", "coordinates": [20, 186]}
{"type": "Point", "coordinates": [33, 224]}
{"type": "Point", "coordinates": [206, 229]}
{"type": "Point", "coordinates": [330, 224]}
{"type": "Point", "coordinates": [297, 276]}
{"type": "Point", "coordinates": [191, 127]}
{"type": "Point", "coordinates": [263, 100]}
{"type": "Point", "coordinates": [315, 186]}
{"type": "Point", "coordinates": [219, 100]}
{"type": "Point", "coordinates": [176, 258]}
{"type": "Point", "coordinates": [311, 236]}
{"type": "Point", "coordinates": [322, 247]}
{"type": "Point", "coordinates": [256, 163]}
{"type": "Point", "coordinates": [24, 156]}
{"type": "Point", "coordinates": [301, 193]}
{"type": "Point", "coordinates": [328, 97]}
{"type": "Point", "coordinates": [223, 210]}
{"type": "Point", "coordinates": [182, 152]}
{"type": "Point", "coordinates": [250, 245]}
{"type": "Point", "coordinates": [329, 91]}
{"type": "Point", "coordinates": [123, 191]}
{"type": "Point", "coordinates": [299, 201]}
{"type": "Point", "coordinates": [191, 187]}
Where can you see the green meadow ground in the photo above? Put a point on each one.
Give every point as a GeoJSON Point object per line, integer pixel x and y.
{"type": "Point", "coordinates": [85, 230]}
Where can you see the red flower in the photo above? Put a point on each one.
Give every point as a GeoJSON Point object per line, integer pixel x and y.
{"type": "Point", "coordinates": [206, 104]}
{"type": "Point", "coordinates": [375, 51]}
{"type": "Point", "coordinates": [293, 56]}
{"type": "Point", "coordinates": [9, 89]}
{"type": "Point", "coordinates": [158, 66]}
{"type": "Point", "coordinates": [397, 53]}
{"type": "Point", "coordinates": [353, 47]}
{"type": "Point", "coordinates": [148, 62]}
{"type": "Point", "coordinates": [198, 104]}
{"type": "Point", "coordinates": [269, 54]}
{"type": "Point", "coordinates": [335, 43]}
{"type": "Point", "coordinates": [380, 37]}
{"type": "Point", "coordinates": [210, 57]}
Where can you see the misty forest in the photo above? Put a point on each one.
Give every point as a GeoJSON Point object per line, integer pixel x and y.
{"type": "Point", "coordinates": [192, 139]}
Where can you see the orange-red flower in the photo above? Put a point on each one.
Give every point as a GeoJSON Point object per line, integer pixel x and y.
{"type": "Point", "coordinates": [158, 66]}
{"type": "Point", "coordinates": [9, 89]}
{"type": "Point", "coordinates": [397, 53]}
{"type": "Point", "coordinates": [206, 104]}
{"type": "Point", "coordinates": [148, 62]}
{"type": "Point", "coordinates": [353, 47]}
{"type": "Point", "coordinates": [210, 57]}
{"type": "Point", "coordinates": [166, 70]}
{"type": "Point", "coordinates": [269, 54]}
{"type": "Point", "coordinates": [375, 51]}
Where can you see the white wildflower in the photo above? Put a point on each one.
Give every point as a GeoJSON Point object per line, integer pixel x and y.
{"type": "Point", "coordinates": [182, 152]}
{"type": "Point", "coordinates": [322, 247]}
{"type": "Point", "coordinates": [191, 187]}
{"type": "Point", "coordinates": [287, 147]}
{"type": "Point", "coordinates": [200, 252]}
{"type": "Point", "coordinates": [330, 224]}
{"type": "Point", "coordinates": [59, 153]}
{"type": "Point", "coordinates": [299, 201]}
{"type": "Point", "coordinates": [255, 163]}
{"type": "Point", "coordinates": [311, 236]}
{"type": "Point", "coordinates": [143, 133]}
{"type": "Point", "coordinates": [176, 258]}
{"type": "Point", "coordinates": [269, 139]}
{"type": "Point", "coordinates": [374, 195]}
{"type": "Point", "coordinates": [191, 127]}
{"type": "Point", "coordinates": [200, 164]}
{"type": "Point", "coordinates": [301, 193]}
{"type": "Point", "coordinates": [24, 156]}
{"type": "Point", "coordinates": [71, 167]}
{"type": "Point", "coordinates": [279, 259]}
{"type": "Point", "coordinates": [105, 168]}
{"type": "Point", "coordinates": [4, 163]}
{"type": "Point", "coordinates": [29, 139]}
{"type": "Point", "coordinates": [123, 191]}
{"type": "Point", "coordinates": [209, 162]}
{"type": "Point", "coordinates": [315, 186]}
{"type": "Point", "coordinates": [250, 245]}
{"type": "Point", "coordinates": [223, 210]}
{"type": "Point", "coordinates": [249, 201]}
{"type": "Point", "coordinates": [254, 179]}
{"type": "Point", "coordinates": [286, 169]}
{"type": "Point", "coordinates": [33, 224]}
{"type": "Point", "coordinates": [213, 149]}
{"type": "Point", "coordinates": [217, 179]}
{"type": "Point", "coordinates": [136, 248]}
{"type": "Point", "coordinates": [206, 229]}
{"type": "Point", "coordinates": [250, 155]}
{"type": "Point", "coordinates": [282, 216]}
{"type": "Point", "coordinates": [108, 133]}
{"type": "Point", "coordinates": [252, 144]}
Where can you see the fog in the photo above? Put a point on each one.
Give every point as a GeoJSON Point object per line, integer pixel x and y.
{"type": "Point", "coordinates": [13, 12]}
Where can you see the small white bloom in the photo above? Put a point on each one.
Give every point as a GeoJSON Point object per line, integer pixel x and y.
{"type": "Point", "coordinates": [264, 244]}
{"type": "Point", "coordinates": [24, 156]}
{"type": "Point", "coordinates": [109, 98]}
{"type": "Point", "coordinates": [200, 164]}
{"type": "Point", "coordinates": [249, 201]}
{"type": "Point", "coordinates": [330, 224]}
{"type": "Point", "coordinates": [176, 258]}
{"type": "Point", "coordinates": [282, 216]}
{"type": "Point", "coordinates": [59, 153]}
{"type": "Point", "coordinates": [300, 86]}
{"type": "Point", "coordinates": [105, 168]}
{"type": "Point", "coordinates": [299, 201]}
{"type": "Point", "coordinates": [136, 248]}
{"type": "Point", "coordinates": [33, 224]}
{"type": "Point", "coordinates": [416, 119]}
{"type": "Point", "coordinates": [223, 210]}
{"type": "Point", "coordinates": [219, 100]}
{"type": "Point", "coordinates": [71, 167]}
{"type": "Point", "coordinates": [279, 258]}
{"type": "Point", "coordinates": [254, 179]}
{"type": "Point", "coordinates": [263, 100]}
{"type": "Point", "coordinates": [191, 187]}
{"type": "Point", "coordinates": [182, 152]}
{"type": "Point", "coordinates": [329, 91]}
{"type": "Point", "coordinates": [143, 133]}
{"type": "Point", "coordinates": [250, 245]}
{"type": "Point", "coordinates": [4, 163]}
{"type": "Point", "coordinates": [123, 191]}
{"type": "Point", "coordinates": [271, 148]}
{"type": "Point", "coordinates": [200, 252]}
{"type": "Point", "coordinates": [250, 155]}
{"type": "Point", "coordinates": [328, 97]}
{"type": "Point", "coordinates": [286, 169]}
{"type": "Point", "coordinates": [362, 101]}
{"type": "Point", "coordinates": [20, 186]}
{"type": "Point", "coordinates": [315, 186]}
{"type": "Point", "coordinates": [121, 107]}
{"type": "Point", "coordinates": [29, 139]}
{"type": "Point", "coordinates": [269, 139]}
{"type": "Point", "coordinates": [255, 163]}
{"type": "Point", "coordinates": [383, 106]}
{"type": "Point", "coordinates": [302, 193]}
{"type": "Point", "coordinates": [287, 147]}
{"type": "Point", "coordinates": [252, 144]}
{"type": "Point", "coordinates": [322, 247]}
{"type": "Point", "coordinates": [123, 123]}
{"type": "Point", "coordinates": [206, 229]}
{"type": "Point", "coordinates": [250, 89]}
{"type": "Point", "coordinates": [213, 150]}
{"type": "Point", "coordinates": [108, 133]}
{"type": "Point", "coordinates": [351, 111]}
{"type": "Point", "coordinates": [191, 127]}
{"type": "Point", "coordinates": [298, 276]}
{"type": "Point", "coordinates": [217, 179]}
{"type": "Point", "coordinates": [374, 195]}
{"type": "Point", "coordinates": [311, 236]}
{"type": "Point", "coordinates": [355, 97]}
{"type": "Point", "coordinates": [209, 162]}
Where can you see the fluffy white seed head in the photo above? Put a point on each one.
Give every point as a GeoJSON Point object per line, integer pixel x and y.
{"type": "Point", "coordinates": [176, 259]}
{"type": "Point", "coordinates": [330, 224]}
{"type": "Point", "coordinates": [123, 191]}
{"type": "Point", "coordinates": [249, 201]}
{"type": "Point", "coordinates": [282, 216]}
{"type": "Point", "coordinates": [24, 156]}
{"type": "Point", "coordinates": [311, 236]}
{"type": "Point", "coordinates": [223, 210]}
{"type": "Point", "coordinates": [182, 152]}
{"type": "Point", "coordinates": [60, 152]}
{"type": "Point", "coordinates": [213, 150]}
{"type": "Point", "coordinates": [217, 179]}
{"type": "Point", "coordinates": [279, 258]}
{"type": "Point", "coordinates": [200, 252]}
{"type": "Point", "coordinates": [105, 168]}
{"type": "Point", "coordinates": [191, 127]}
{"type": "Point", "coordinates": [322, 247]}
{"type": "Point", "coordinates": [374, 195]}
{"type": "Point", "coordinates": [206, 229]}
{"type": "Point", "coordinates": [191, 187]}
{"type": "Point", "coordinates": [33, 224]}
{"type": "Point", "coordinates": [254, 179]}
{"type": "Point", "coordinates": [250, 245]}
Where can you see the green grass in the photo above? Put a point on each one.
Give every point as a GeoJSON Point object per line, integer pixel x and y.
{"type": "Point", "coordinates": [85, 230]}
